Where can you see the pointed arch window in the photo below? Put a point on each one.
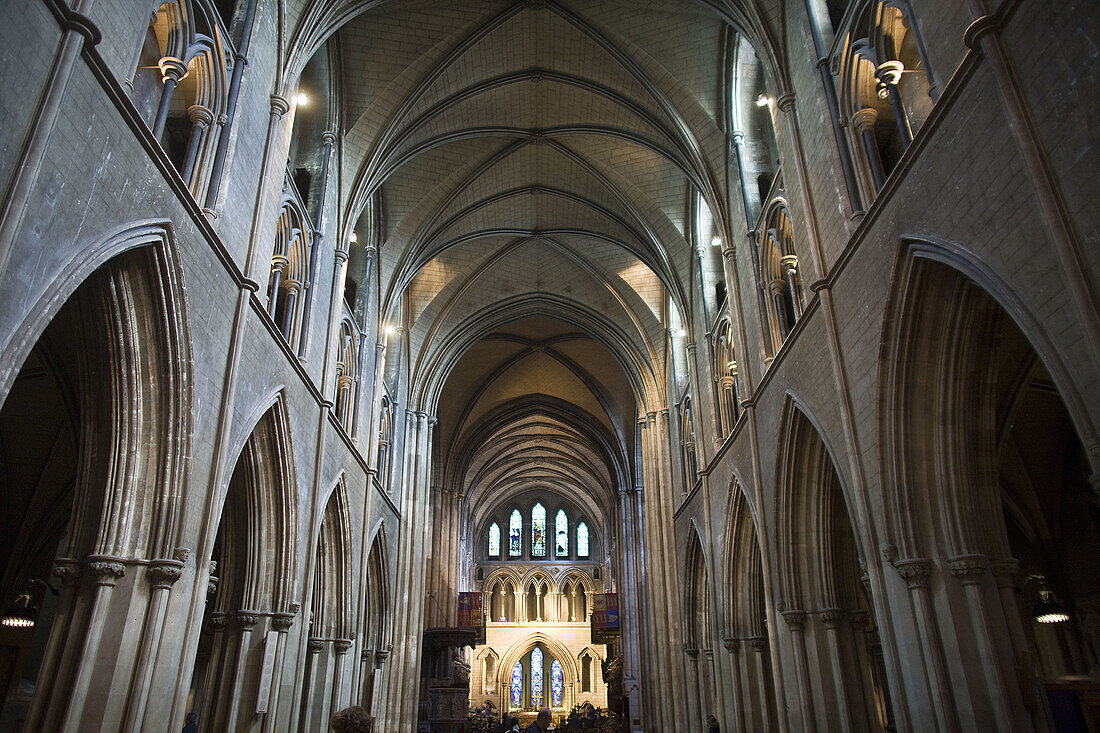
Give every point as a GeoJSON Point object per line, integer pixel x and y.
{"type": "Point", "coordinates": [538, 531]}
{"type": "Point", "coordinates": [515, 534]}
{"type": "Point", "coordinates": [582, 540]}
{"type": "Point", "coordinates": [517, 685]}
{"type": "Point", "coordinates": [561, 534]}
{"type": "Point", "coordinates": [556, 684]}
{"type": "Point", "coordinates": [494, 540]}
{"type": "Point", "coordinates": [536, 677]}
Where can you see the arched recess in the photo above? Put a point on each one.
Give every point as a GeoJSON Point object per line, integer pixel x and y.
{"type": "Point", "coordinates": [698, 636]}
{"type": "Point", "coordinates": [747, 640]}
{"type": "Point", "coordinates": [330, 623]}
{"type": "Point", "coordinates": [827, 605]}
{"type": "Point", "coordinates": [251, 588]}
{"type": "Point", "coordinates": [520, 652]}
{"type": "Point", "coordinates": [987, 476]}
{"type": "Point", "coordinates": [94, 441]}
{"type": "Point", "coordinates": [375, 622]}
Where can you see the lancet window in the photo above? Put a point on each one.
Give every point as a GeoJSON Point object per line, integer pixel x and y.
{"type": "Point", "coordinates": [527, 532]}
{"type": "Point", "coordinates": [780, 274]}
{"type": "Point", "coordinates": [289, 267]}
{"type": "Point", "coordinates": [515, 534]}
{"type": "Point", "coordinates": [347, 375]}
{"type": "Point", "coordinates": [538, 531]}
{"type": "Point", "coordinates": [561, 534]}
{"type": "Point", "coordinates": [582, 540]}
{"type": "Point", "coordinates": [494, 540]}
{"type": "Point", "coordinates": [725, 372]}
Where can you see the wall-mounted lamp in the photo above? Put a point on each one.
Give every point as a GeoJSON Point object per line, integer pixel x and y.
{"type": "Point", "coordinates": [20, 613]}
{"type": "Point", "coordinates": [302, 99]}
{"type": "Point", "coordinates": [353, 238]}
{"type": "Point", "coordinates": [1049, 609]}
{"type": "Point", "coordinates": [763, 100]}
{"type": "Point", "coordinates": [715, 241]}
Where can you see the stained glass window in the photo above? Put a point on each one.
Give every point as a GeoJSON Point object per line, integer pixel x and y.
{"type": "Point", "coordinates": [582, 540]}
{"type": "Point", "coordinates": [538, 531]}
{"type": "Point", "coordinates": [517, 685]}
{"type": "Point", "coordinates": [561, 535]}
{"type": "Point", "coordinates": [536, 677]}
{"type": "Point", "coordinates": [494, 540]}
{"type": "Point", "coordinates": [555, 684]}
{"type": "Point", "coordinates": [515, 534]}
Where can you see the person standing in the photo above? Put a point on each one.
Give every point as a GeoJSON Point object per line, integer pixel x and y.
{"type": "Point", "coordinates": [541, 724]}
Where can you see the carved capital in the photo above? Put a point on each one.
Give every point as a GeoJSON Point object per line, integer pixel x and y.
{"type": "Point", "coordinates": [1005, 571]}
{"type": "Point", "coordinates": [732, 644]}
{"type": "Point", "coordinates": [171, 69]}
{"type": "Point", "coordinates": [200, 115]}
{"type": "Point", "coordinates": [282, 622]}
{"type": "Point", "coordinates": [341, 646]}
{"type": "Point", "coordinates": [969, 569]}
{"type": "Point", "coordinates": [365, 655]}
{"type": "Point", "coordinates": [247, 619]}
{"type": "Point", "coordinates": [217, 622]}
{"type": "Point", "coordinates": [795, 619]}
{"type": "Point", "coordinates": [789, 263]}
{"type": "Point", "coordinates": [785, 101]}
{"type": "Point", "coordinates": [832, 617]}
{"type": "Point", "coordinates": [691, 652]}
{"type": "Point", "coordinates": [758, 643]}
{"type": "Point", "coordinates": [279, 106]}
{"type": "Point", "coordinates": [105, 570]}
{"type": "Point", "coordinates": [314, 646]}
{"type": "Point", "coordinates": [67, 574]}
{"type": "Point", "coordinates": [328, 137]}
{"type": "Point", "coordinates": [864, 119]}
{"type": "Point", "coordinates": [858, 619]}
{"type": "Point", "coordinates": [164, 573]}
{"type": "Point", "coordinates": [380, 657]}
{"type": "Point", "coordinates": [914, 571]}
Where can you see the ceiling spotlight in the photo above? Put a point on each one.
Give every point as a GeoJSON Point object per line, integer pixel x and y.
{"type": "Point", "coordinates": [20, 613]}
{"type": "Point", "coordinates": [1050, 610]}
{"type": "Point", "coordinates": [715, 241]}
{"type": "Point", "coordinates": [353, 238]}
{"type": "Point", "coordinates": [301, 100]}
{"type": "Point", "coordinates": [763, 100]}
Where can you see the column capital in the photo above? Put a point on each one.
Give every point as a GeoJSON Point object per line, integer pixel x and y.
{"type": "Point", "coordinates": [795, 619]}
{"type": "Point", "coordinates": [247, 619]}
{"type": "Point", "coordinates": [785, 101]}
{"type": "Point", "coordinates": [864, 119]}
{"type": "Point", "coordinates": [341, 646]}
{"type": "Point", "coordinates": [969, 569]}
{"type": "Point", "coordinates": [282, 622]}
{"type": "Point", "coordinates": [914, 571]}
{"type": "Point", "coordinates": [105, 569]}
{"type": "Point", "coordinates": [831, 617]}
{"type": "Point", "coordinates": [200, 115]}
{"type": "Point", "coordinates": [171, 69]}
{"type": "Point", "coordinates": [315, 645]}
{"type": "Point", "coordinates": [279, 106]}
{"type": "Point", "coordinates": [1005, 571]}
{"type": "Point", "coordinates": [757, 643]}
{"type": "Point", "coordinates": [164, 573]}
{"type": "Point", "coordinates": [328, 137]}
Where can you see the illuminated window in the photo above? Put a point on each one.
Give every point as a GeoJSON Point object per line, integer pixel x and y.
{"type": "Point", "coordinates": [494, 540]}
{"type": "Point", "coordinates": [515, 534]}
{"type": "Point", "coordinates": [517, 685]}
{"type": "Point", "coordinates": [538, 531]}
{"type": "Point", "coordinates": [582, 540]}
{"type": "Point", "coordinates": [561, 535]}
{"type": "Point", "coordinates": [536, 677]}
{"type": "Point", "coordinates": [555, 684]}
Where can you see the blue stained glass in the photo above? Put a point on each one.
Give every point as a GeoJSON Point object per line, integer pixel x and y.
{"type": "Point", "coordinates": [494, 540]}
{"type": "Point", "coordinates": [515, 534]}
{"type": "Point", "coordinates": [536, 677]}
{"type": "Point", "coordinates": [555, 684]}
{"type": "Point", "coordinates": [582, 540]}
{"type": "Point", "coordinates": [561, 535]}
{"type": "Point", "coordinates": [517, 685]}
{"type": "Point", "coordinates": [538, 531]}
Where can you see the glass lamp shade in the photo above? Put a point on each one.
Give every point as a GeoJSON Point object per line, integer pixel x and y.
{"type": "Point", "coordinates": [20, 613]}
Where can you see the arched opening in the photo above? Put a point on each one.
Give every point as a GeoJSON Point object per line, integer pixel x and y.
{"type": "Point", "coordinates": [94, 435]}
{"type": "Point", "coordinates": [781, 276]}
{"type": "Point", "coordinates": [996, 483]}
{"type": "Point", "coordinates": [252, 580]}
{"type": "Point", "coordinates": [829, 614]}
{"type": "Point", "coordinates": [747, 643]}
{"type": "Point", "coordinates": [375, 649]}
{"type": "Point", "coordinates": [347, 376]}
{"type": "Point", "coordinates": [698, 651]}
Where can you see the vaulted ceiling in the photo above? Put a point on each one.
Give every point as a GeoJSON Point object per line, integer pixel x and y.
{"type": "Point", "coordinates": [530, 170]}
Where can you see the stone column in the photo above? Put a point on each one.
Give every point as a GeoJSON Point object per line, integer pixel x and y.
{"type": "Point", "coordinates": [246, 622]}
{"type": "Point", "coordinates": [281, 622]}
{"type": "Point", "coordinates": [916, 572]}
{"type": "Point", "coordinates": [970, 570]}
{"type": "Point", "coordinates": [200, 118]}
{"type": "Point", "coordinates": [161, 576]}
{"type": "Point", "coordinates": [790, 269]}
{"type": "Point", "coordinates": [340, 649]}
{"type": "Point", "coordinates": [172, 70]}
{"type": "Point", "coordinates": [694, 703]}
{"type": "Point", "coordinates": [759, 646]}
{"type": "Point", "coordinates": [105, 572]}
{"type": "Point", "coordinates": [830, 619]}
{"type": "Point", "coordinates": [863, 121]}
{"type": "Point", "coordinates": [796, 621]}
{"type": "Point", "coordinates": [733, 646]}
{"type": "Point", "coordinates": [215, 668]}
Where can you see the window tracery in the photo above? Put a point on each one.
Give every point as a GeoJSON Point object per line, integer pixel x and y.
{"type": "Point", "coordinates": [561, 534]}
{"type": "Point", "coordinates": [538, 531]}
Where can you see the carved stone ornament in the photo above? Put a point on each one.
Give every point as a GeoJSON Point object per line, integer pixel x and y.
{"type": "Point", "coordinates": [758, 643]}
{"type": "Point", "coordinates": [969, 568]}
{"type": "Point", "coordinates": [795, 619]}
{"type": "Point", "coordinates": [341, 646]}
{"type": "Point", "coordinates": [914, 571]}
{"type": "Point", "coordinates": [282, 622]}
{"type": "Point", "coordinates": [164, 573]}
{"type": "Point", "coordinates": [247, 619]}
{"type": "Point", "coordinates": [832, 617]}
{"type": "Point", "coordinates": [314, 646]}
{"type": "Point", "coordinates": [732, 644]}
{"type": "Point", "coordinates": [68, 575]}
{"type": "Point", "coordinates": [105, 572]}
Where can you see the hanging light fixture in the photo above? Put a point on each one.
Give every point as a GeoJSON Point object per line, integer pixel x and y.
{"type": "Point", "coordinates": [1049, 609]}
{"type": "Point", "coordinates": [20, 613]}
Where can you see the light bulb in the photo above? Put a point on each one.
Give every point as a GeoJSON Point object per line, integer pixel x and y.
{"type": "Point", "coordinates": [301, 100]}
